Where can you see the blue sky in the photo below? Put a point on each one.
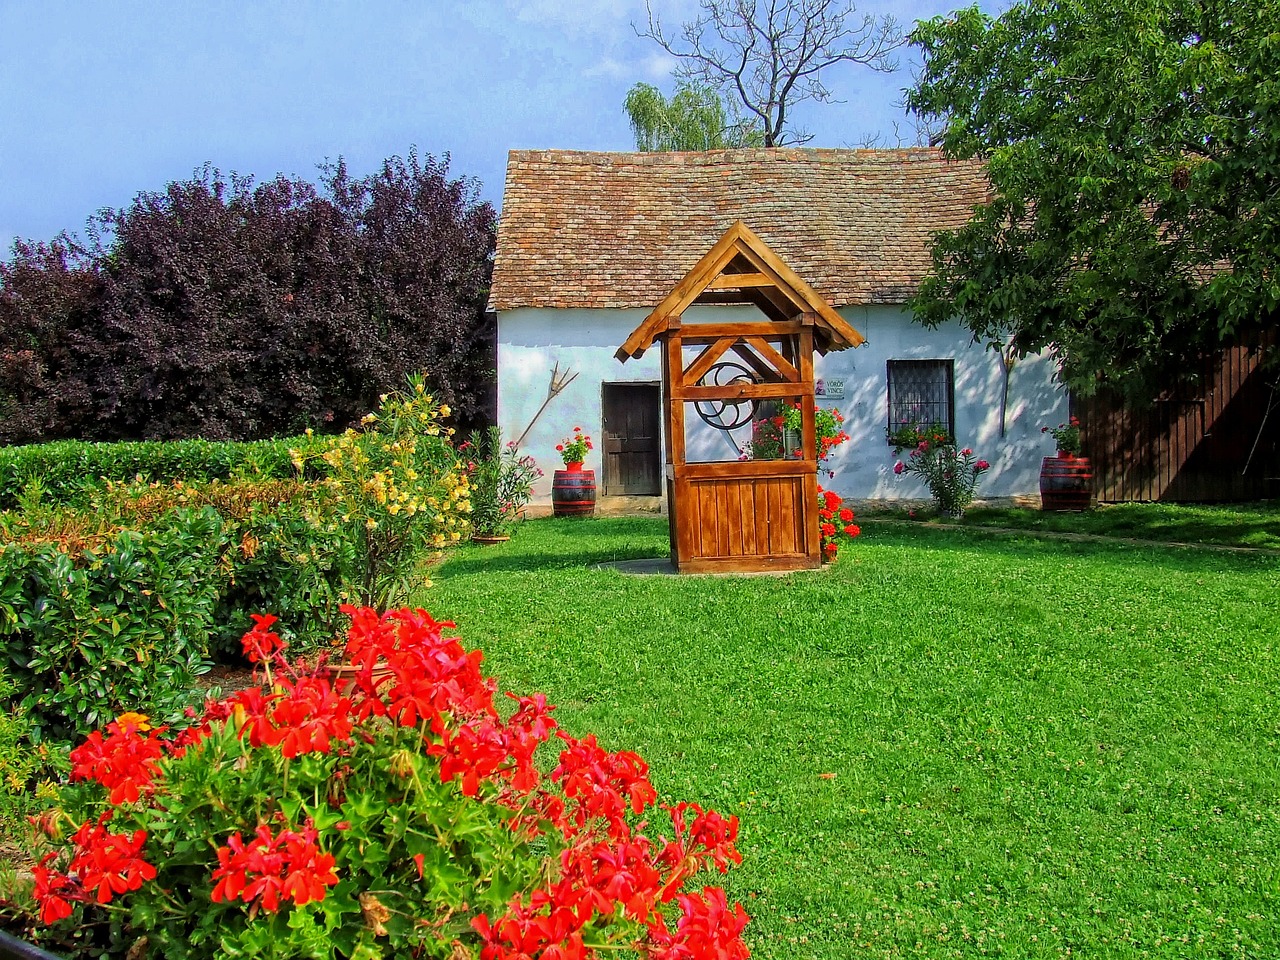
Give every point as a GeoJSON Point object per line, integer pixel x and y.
{"type": "Point", "coordinates": [101, 100]}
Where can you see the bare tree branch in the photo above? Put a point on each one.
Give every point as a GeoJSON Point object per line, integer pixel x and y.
{"type": "Point", "coordinates": [771, 54]}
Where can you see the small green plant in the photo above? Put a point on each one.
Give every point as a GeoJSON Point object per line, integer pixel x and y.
{"type": "Point", "coordinates": [950, 474]}
{"type": "Point", "coordinates": [24, 766]}
{"type": "Point", "coordinates": [501, 482]}
{"type": "Point", "coordinates": [1066, 436]}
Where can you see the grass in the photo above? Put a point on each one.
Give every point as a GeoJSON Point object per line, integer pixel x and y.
{"type": "Point", "coordinates": [947, 745]}
{"type": "Point", "coordinates": [1237, 525]}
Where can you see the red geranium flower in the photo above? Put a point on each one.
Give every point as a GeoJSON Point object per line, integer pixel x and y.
{"type": "Point", "coordinates": [288, 866]}
{"type": "Point", "coordinates": [51, 891]}
{"type": "Point", "coordinates": [261, 644]}
{"type": "Point", "coordinates": [124, 762]}
{"type": "Point", "coordinates": [110, 863]}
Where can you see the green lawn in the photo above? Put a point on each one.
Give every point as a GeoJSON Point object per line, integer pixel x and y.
{"type": "Point", "coordinates": [949, 744]}
{"type": "Point", "coordinates": [1239, 525]}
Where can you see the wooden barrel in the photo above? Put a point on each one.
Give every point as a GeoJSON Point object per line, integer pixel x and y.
{"type": "Point", "coordinates": [1066, 484]}
{"type": "Point", "coordinates": [573, 493]}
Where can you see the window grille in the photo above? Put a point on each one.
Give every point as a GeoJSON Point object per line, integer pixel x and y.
{"type": "Point", "coordinates": [922, 393]}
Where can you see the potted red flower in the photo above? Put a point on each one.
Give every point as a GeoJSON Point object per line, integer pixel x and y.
{"type": "Point", "coordinates": [574, 449]}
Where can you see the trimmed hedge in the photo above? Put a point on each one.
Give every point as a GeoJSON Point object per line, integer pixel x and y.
{"type": "Point", "coordinates": [280, 559]}
{"type": "Point", "coordinates": [119, 606]}
{"type": "Point", "coordinates": [69, 471]}
{"type": "Point", "coordinates": [124, 625]}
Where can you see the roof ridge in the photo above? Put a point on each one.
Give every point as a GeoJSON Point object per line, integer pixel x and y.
{"type": "Point", "coordinates": [736, 154]}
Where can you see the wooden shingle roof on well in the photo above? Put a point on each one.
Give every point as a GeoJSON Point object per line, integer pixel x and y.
{"type": "Point", "coordinates": [621, 229]}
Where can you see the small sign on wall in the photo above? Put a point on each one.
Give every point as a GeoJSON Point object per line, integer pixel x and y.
{"type": "Point", "coordinates": [832, 387]}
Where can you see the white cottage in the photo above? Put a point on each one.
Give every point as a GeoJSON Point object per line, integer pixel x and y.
{"type": "Point", "coordinates": [590, 243]}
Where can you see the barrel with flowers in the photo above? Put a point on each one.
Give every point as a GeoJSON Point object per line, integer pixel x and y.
{"type": "Point", "coordinates": [573, 489]}
{"type": "Point", "coordinates": [1066, 480]}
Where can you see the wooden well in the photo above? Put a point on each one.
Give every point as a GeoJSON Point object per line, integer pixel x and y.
{"type": "Point", "coordinates": [750, 515]}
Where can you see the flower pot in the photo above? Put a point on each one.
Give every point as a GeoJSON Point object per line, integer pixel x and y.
{"type": "Point", "coordinates": [1066, 455]}
{"type": "Point", "coordinates": [342, 676]}
{"type": "Point", "coordinates": [792, 443]}
{"type": "Point", "coordinates": [1066, 483]}
{"type": "Point", "coordinates": [488, 540]}
{"type": "Point", "coordinates": [573, 493]}
{"type": "Point", "coordinates": [575, 467]}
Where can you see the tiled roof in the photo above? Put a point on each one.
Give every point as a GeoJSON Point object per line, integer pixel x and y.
{"type": "Point", "coordinates": [621, 229]}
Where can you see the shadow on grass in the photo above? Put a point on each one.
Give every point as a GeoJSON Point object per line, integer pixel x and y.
{"type": "Point", "coordinates": [563, 544]}
{"type": "Point", "coordinates": [1245, 524]}
{"type": "Point", "coordinates": [1041, 543]}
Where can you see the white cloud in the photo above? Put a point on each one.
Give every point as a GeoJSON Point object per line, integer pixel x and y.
{"type": "Point", "coordinates": [655, 67]}
{"type": "Point", "coordinates": [596, 16]}
{"type": "Point", "coordinates": [658, 66]}
{"type": "Point", "coordinates": [609, 68]}
{"type": "Point", "coordinates": [576, 15]}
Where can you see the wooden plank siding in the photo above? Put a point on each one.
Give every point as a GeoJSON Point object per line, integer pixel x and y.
{"type": "Point", "coordinates": [1193, 445]}
{"type": "Point", "coordinates": [741, 522]}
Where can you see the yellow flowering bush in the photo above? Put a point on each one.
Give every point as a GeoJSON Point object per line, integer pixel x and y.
{"type": "Point", "coordinates": [398, 487]}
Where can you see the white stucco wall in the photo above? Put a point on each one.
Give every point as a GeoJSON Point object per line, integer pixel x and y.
{"type": "Point", "coordinates": [532, 340]}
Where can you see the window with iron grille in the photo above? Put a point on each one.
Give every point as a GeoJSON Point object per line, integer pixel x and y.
{"type": "Point", "coordinates": [922, 393]}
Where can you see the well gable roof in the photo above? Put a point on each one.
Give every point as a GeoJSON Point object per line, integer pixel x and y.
{"type": "Point", "coordinates": [759, 270]}
{"type": "Point", "coordinates": [621, 229]}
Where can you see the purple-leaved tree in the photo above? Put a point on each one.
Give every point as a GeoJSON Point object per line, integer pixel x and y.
{"type": "Point", "coordinates": [222, 308]}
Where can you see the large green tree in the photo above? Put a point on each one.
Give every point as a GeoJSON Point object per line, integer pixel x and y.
{"type": "Point", "coordinates": [1133, 150]}
{"type": "Point", "coordinates": [694, 118]}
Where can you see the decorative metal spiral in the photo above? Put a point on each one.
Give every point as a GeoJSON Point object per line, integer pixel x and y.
{"type": "Point", "coordinates": [726, 414]}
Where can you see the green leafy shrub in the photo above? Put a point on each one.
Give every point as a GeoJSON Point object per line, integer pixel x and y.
{"type": "Point", "coordinates": [501, 481]}
{"type": "Point", "coordinates": [951, 475]}
{"type": "Point", "coordinates": [283, 557]}
{"type": "Point", "coordinates": [21, 764]}
{"type": "Point", "coordinates": [402, 816]}
{"type": "Point", "coordinates": [398, 488]}
{"type": "Point", "coordinates": [71, 471]}
{"type": "Point", "coordinates": [283, 552]}
{"type": "Point", "coordinates": [95, 621]}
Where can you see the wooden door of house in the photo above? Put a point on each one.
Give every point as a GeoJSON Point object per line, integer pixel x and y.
{"type": "Point", "coordinates": [632, 440]}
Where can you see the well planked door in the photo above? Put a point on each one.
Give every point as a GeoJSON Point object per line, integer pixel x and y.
{"type": "Point", "coordinates": [632, 439]}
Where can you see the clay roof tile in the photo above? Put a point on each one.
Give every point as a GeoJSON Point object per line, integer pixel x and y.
{"type": "Point", "coordinates": [621, 229]}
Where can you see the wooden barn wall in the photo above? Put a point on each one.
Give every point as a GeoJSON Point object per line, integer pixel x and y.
{"type": "Point", "coordinates": [1190, 446]}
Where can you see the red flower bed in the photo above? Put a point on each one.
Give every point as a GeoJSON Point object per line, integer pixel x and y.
{"type": "Point", "coordinates": [404, 817]}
